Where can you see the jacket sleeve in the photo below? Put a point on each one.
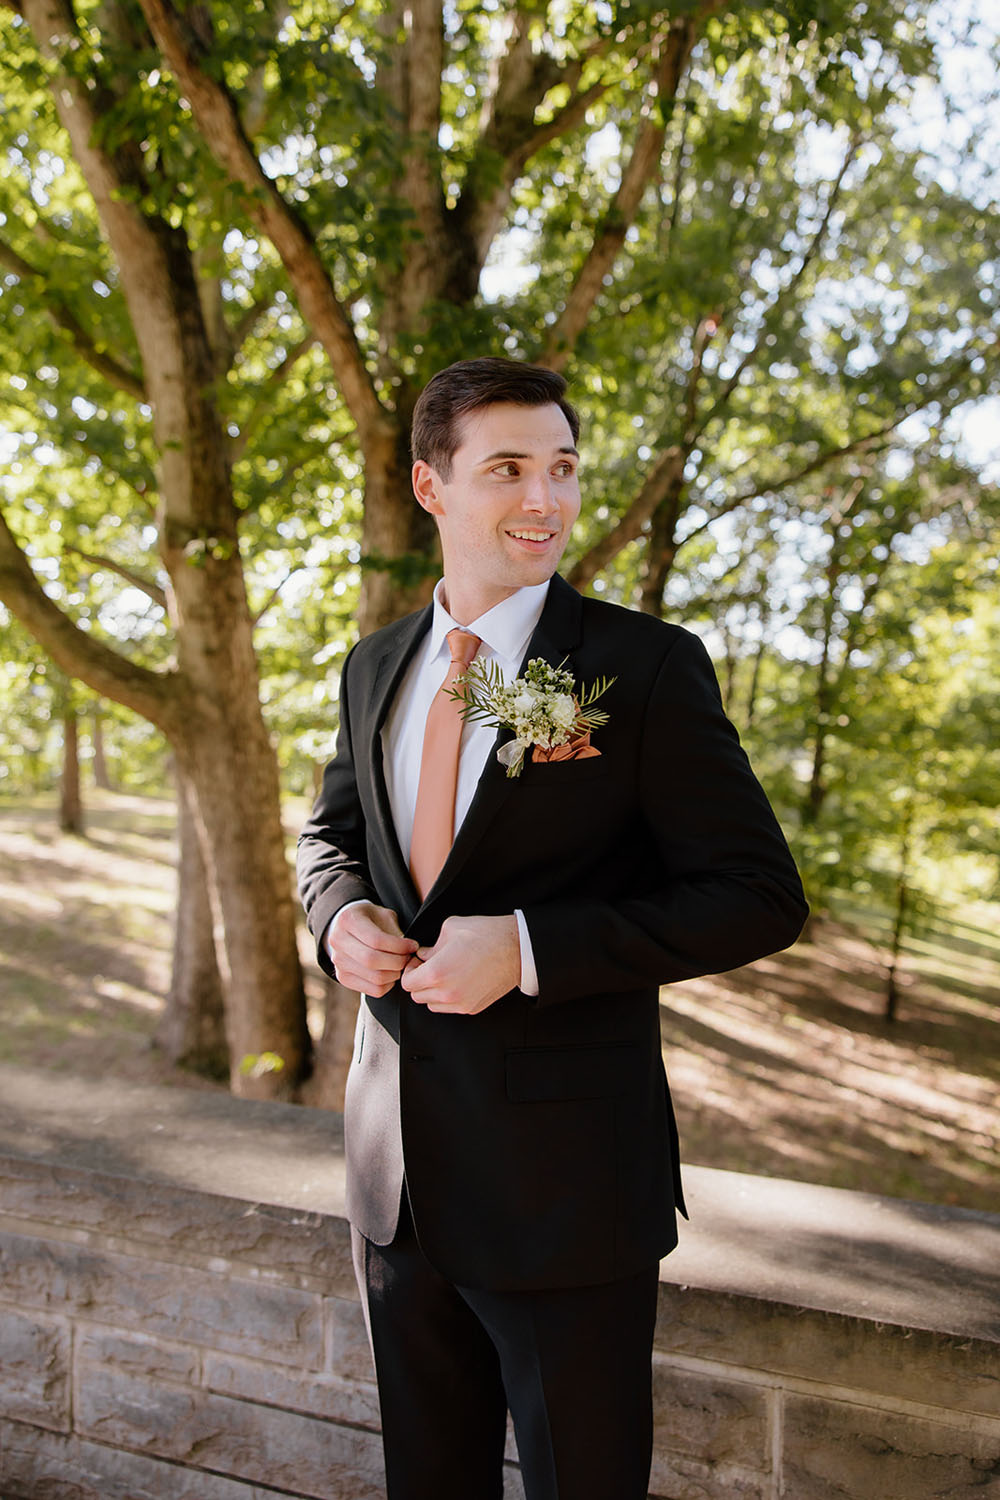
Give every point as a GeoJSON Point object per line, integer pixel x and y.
{"type": "Point", "coordinates": [331, 858]}
{"type": "Point", "coordinates": [724, 891]}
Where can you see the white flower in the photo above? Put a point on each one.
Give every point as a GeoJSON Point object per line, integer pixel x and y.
{"type": "Point", "coordinates": [563, 711]}
{"type": "Point", "coordinates": [542, 708]}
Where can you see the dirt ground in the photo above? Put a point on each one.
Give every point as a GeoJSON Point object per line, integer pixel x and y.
{"type": "Point", "coordinates": [784, 1068]}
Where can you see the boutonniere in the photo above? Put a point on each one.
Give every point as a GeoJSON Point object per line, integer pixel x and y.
{"type": "Point", "coordinates": [543, 709]}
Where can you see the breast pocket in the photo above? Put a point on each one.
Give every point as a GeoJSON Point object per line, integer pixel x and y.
{"type": "Point", "coordinates": [547, 775]}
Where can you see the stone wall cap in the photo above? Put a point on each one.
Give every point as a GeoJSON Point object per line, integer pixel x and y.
{"type": "Point", "coordinates": [887, 1260]}
{"type": "Point", "coordinates": [822, 1249]}
{"type": "Point", "coordinates": [198, 1139]}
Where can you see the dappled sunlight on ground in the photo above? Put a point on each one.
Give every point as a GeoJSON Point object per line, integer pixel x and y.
{"type": "Point", "coordinates": [85, 935]}
{"type": "Point", "coordinates": [787, 1067]}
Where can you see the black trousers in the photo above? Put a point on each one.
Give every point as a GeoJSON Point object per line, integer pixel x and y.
{"type": "Point", "coordinates": [572, 1365]}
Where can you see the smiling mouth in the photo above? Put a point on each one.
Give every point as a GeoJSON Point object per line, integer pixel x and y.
{"type": "Point", "coordinates": [529, 534]}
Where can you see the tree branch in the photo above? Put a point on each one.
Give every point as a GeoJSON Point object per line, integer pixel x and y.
{"type": "Point", "coordinates": [670, 465]}
{"type": "Point", "coordinates": [863, 444]}
{"type": "Point", "coordinates": [662, 482]}
{"type": "Point", "coordinates": [154, 695]}
{"type": "Point", "coordinates": [137, 581]}
{"type": "Point", "coordinates": [218, 119]}
{"type": "Point", "coordinates": [106, 365]}
{"type": "Point", "coordinates": [261, 406]}
{"type": "Point", "coordinates": [416, 76]}
{"type": "Point", "coordinates": [509, 135]}
{"type": "Point", "coordinates": [643, 163]}
{"type": "Point", "coordinates": [658, 484]}
{"type": "Point", "coordinates": [248, 318]}
{"type": "Point", "coordinates": [273, 595]}
{"type": "Point", "coordinates": [425, 60]}
{"type": "Point", "coordinates": [703, 335]}
{"type": "Point", "coordinates": [808, 256]}
{"type": "Point", "coordinates": [155, 268]}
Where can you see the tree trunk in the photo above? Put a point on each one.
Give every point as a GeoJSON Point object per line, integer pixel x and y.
{"type": "Point", "coordinates": [230, 764]}
{"type": "Point", "coordinates": [729, 661]}
{"type": "Point", "coordinates": [325, 1089]}
{"type": "Point", "coordinates": [209, 706]}
{"type": "Point", "coordinates": [758, 661]}
{"type": "Point", "coordinates": [899, 925]}
{"type": "Point", "coordinates": [193, 1030]}
{"type": "Point", "coordinates": [399, 541]}
{"type": "Point", "coordinates": [70, 803]}
{"type": "Point", "coordinates": [661, 550]}
{"type": "Point", "coordinates": [825, 694]}
{"type": "Point", "coordinates": [101, 777]}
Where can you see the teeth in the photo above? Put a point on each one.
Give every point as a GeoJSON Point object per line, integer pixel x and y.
{"type": "Point", "coordinates": [532, 536]}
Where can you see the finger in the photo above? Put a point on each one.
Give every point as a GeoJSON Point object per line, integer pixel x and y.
{"type": "Point", "coordinates": [421, 977]}
{"type": "Point", "coordinates": [360, 959]}
{"type": "Point", "coordinates": [375, 937]}
{"type": "Point", "coordinates": [368, 937]}
{"type": "Point", "coordinates": [376, 926]}
{"type": "Point", "coordinates": [366, 983]}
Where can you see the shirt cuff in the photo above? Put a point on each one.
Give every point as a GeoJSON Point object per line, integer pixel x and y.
{"type": "Point", "coordinates": [529, 974]}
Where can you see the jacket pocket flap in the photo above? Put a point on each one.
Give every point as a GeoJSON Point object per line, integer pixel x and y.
{"type": "Point", "coordinates": [595, 1072]}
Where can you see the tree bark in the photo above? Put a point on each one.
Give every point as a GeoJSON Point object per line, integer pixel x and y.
{"type": "Point", "coordinates": [70, 801]}
{"type": "Point", "coordinates": [825, 695]}
{"type": "Point", "coordinates": [193, 1031]}
{"type": "Point", "coordinates": [399, 541]}
{"type": "Point", "coordinates": [899, 925]}
{"type": "Point", "coordinates": [102, 777]}
{"type": "Point", "coordinates": [661, 550]}
{"type": "Point", "coordinates": [750, 713]}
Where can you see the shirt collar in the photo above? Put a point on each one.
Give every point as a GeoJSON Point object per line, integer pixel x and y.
{"type": "Point", "coordinates": [506, 628]}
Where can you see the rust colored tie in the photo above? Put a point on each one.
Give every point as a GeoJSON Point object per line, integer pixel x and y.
{"type": "Point", "coordinates": [434, 817]}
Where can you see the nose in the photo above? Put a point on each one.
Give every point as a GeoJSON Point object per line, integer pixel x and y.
{"type": "Point", "coordinates": [536, 495]}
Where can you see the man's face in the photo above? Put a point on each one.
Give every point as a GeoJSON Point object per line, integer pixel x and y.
{"type": "Point", "coordinates": [506, 510]}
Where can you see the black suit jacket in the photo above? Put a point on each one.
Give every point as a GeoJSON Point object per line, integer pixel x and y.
{"type": "Point", "coordinates": [537, 1138]}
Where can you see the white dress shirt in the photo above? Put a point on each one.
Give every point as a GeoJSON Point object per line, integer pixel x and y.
{"type": "Point", "coordinates": [505, 631]}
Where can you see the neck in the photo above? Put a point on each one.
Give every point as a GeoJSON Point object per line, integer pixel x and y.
{"type": "Point", "coordinates": [466, 605]}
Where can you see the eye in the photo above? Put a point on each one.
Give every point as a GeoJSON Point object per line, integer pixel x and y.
{"type": "Point", "coordinates": [565, 470]}
{"type": "Point", "coordinates": [506, 470]}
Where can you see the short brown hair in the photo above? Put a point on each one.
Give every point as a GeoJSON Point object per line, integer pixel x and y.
{"type": "Point", "coordinates": [470, 385]}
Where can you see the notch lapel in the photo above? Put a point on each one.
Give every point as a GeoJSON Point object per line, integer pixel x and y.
{"type": "Point", "coordinates": [393, 660]}
{"type": "Point", "coordinates": [554, 638]}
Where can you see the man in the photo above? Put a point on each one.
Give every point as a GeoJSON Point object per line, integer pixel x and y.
{"type": "Point", "coordinates": [512, 1158]}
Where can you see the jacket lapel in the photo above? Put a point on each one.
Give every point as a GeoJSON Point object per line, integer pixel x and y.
{"type": "Point", "coordinates": [399, 645]}
{"type": "Point", "coordinates": [555, 637]}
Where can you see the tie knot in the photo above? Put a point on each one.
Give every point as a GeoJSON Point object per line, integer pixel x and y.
{"type": "Point", "coordinates": [463, 646]}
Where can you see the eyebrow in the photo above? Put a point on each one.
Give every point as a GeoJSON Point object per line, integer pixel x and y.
{"type": "Point", "coordinates": [501, 453]}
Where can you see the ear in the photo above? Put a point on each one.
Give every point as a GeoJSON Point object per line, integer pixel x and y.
{"type": "Point", "coordinates": [425, 486]}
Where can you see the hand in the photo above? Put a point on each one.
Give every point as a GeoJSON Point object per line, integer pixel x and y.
{"type": "Point", "coordinates": [368, 949]}
{"type": "Point", "coordinates": [474, 961]}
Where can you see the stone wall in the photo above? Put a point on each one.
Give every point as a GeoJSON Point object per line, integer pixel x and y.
{"type": "Point", "coordinates": [178, 1320]}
